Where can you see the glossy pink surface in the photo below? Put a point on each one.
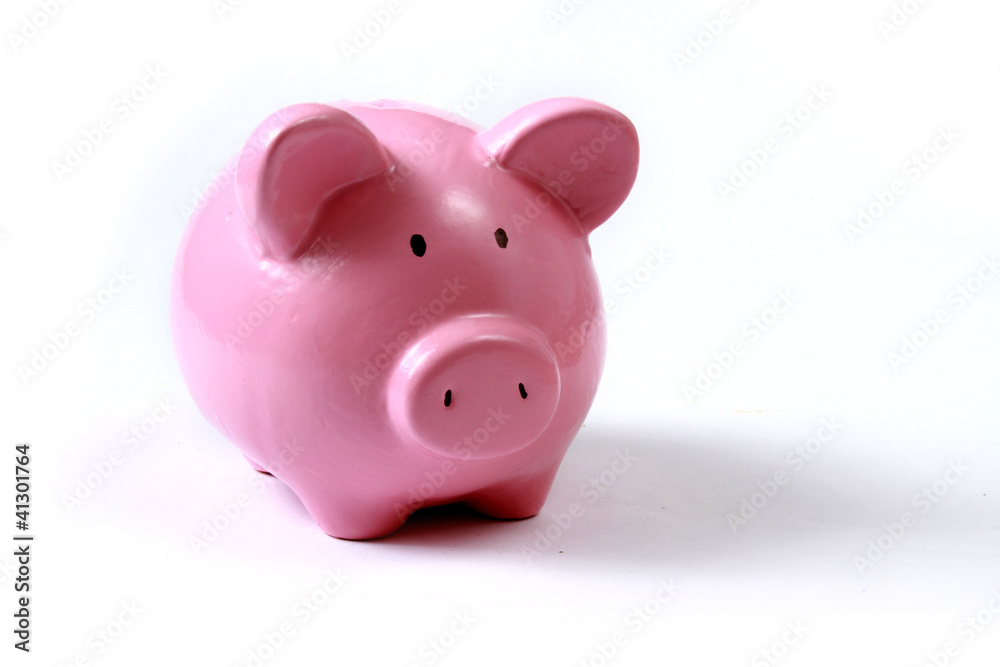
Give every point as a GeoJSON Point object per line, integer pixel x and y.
{"type": "Point", "coordinates": [389, 309]}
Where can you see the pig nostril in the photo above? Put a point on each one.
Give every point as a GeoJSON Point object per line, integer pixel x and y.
{"type": "Point", "coordinates": [520, 388]}
{"type": "Point", "coordinates": [447, 398]}
{"type": "Point", "coordinates": [501, 236]}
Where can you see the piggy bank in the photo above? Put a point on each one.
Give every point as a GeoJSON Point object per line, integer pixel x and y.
{"type": "Point", "coordinates": [388, 308]}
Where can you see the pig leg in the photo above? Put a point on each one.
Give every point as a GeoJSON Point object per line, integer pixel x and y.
{"type": "Point", "coordinates": [519, 499]}
{"type": "Point", "coordinates": [352, 519]}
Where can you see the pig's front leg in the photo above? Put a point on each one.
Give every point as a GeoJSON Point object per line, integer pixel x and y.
{"type": "Point", "coordinates": [516, 499]}
{"type": "Point", "coordinates": [351, 518]}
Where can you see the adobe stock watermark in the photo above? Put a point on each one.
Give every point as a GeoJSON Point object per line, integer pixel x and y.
{"type": "Point", "coordinates": [257, 142]}
{"type": "Point", "coordinates": [269, 642]}
{"type": "Point", "coordinates": [33, 23]}
{"type": "Point", "coordinates": [205, 193]}
{"type": "Point", "coordinates": [376, 23]}
{"type": "Point", "coordinates": [712, 29]}
{"type": "Point", "coordinates": [324, 257]}
{"type": "Point", "coordinates": [485, 86]}
{"type": "Point", "coordinates": [581, 160]}
{"type": "Point", "coordinates": [408, 163]}
{"type": "Point", "coordinates": [86, 311]}
{"type": "Point", "coordinates": [223, 8]}
{"type": "Point", "coordinates": [129, 443]}
{"type": "Point", "coordinates": [122, 107]}
{"type": "Point", "coordinates": [966, 632]}
{"type": "Point", "coordinates": [633, 280]}
{"type": "Point", "coordinates": [778, 649]}
{"type": "Point", "coordinates": [101, 640]}
{"type": "Point", "coordinates": [562, 12]}
{"type": "Point", "coordinates": [768, 488]}
{"type": "Point", "coordinates": [419, 321]}
{"type": "Point", "coordinates": [435, 647]}
{"type": "Point", "coordinates": [784, 129]}
{"type": "Point", "coordinates": [230, 511]}
{"type": "Point", "coordinates": [899, 15]}
{"type": "Point", "coordinates": [923, 501]}
{"type": "Point", "coordinates": [913, 169]}
{"type": "Point", "coordinates": [426, 146]}
{"type": "Point", "coordinates": [631, 283]}
{"type": "Point", "coordinates": [463, 450]}
{"type": "Point", "coordinates": [927, 329]}
{"type": "Point", "coordinates": [591, 491]}
{"type": "Point", "coordinates": [750, 332]}
{"type": "Point", "coordinates": [637, 618]}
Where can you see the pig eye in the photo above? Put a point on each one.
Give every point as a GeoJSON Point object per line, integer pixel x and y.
{"type": "Point", "coordinates": [418, 245]}
{"type": "Point", "coordinates": [520, 388]}
{"type": "Point", "coordinates": [501, 236]}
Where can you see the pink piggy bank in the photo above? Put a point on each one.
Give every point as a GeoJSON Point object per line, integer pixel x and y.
{"type": "Point", "coordinates": [388, 308]}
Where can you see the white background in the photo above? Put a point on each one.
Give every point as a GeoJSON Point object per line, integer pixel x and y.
{"type": "Point", "coordinates": [806, 559]}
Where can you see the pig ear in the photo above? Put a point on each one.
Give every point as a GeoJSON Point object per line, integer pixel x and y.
{"type": "Point", "coordinates": [296, 160]}
{"type": "Point", "coordinates": [582, 151]}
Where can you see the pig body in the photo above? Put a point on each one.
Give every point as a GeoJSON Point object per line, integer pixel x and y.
{"type": "Point", "coordinates": [387, 309]}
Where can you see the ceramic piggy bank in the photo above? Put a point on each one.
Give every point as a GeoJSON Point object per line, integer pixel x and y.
{"type": "Point", "coordinates": [388, 308]}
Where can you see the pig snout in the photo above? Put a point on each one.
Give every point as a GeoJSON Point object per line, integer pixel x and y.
{"type": "Point", "coordinates": [475, 387]}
